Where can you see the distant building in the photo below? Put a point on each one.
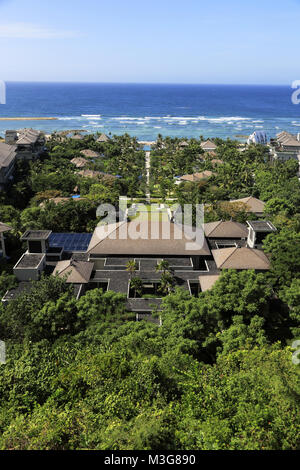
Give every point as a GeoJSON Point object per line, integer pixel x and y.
{"type": "Point", "coordinates": [103, 138]}
{"type": "Point", "coordinates": [25, 144]}
{"type": "Point", "coordinates": [79, 162]}
{"type": "Point", "coordinates": [254, 205]}
{"type": "Point", "coordinates": [195, 177]}
{"type": "Point", "coordinates": [87, 153]}
{"type": "Point", "coordinates": [183, 144]}
{"type": "Point", "coordinates": [285, 146]}
{"type": "Point", "coordinates": [8, 157]}
{"type": "Point", "coordinates": [30, 143]}
{"type": "Point", "coordinates": [258, 137]}
{"type": "Point", "coordinates": [208, 146]}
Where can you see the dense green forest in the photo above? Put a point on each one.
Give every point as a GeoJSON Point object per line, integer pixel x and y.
{"type": "Point", "coordinates": [217, 374]}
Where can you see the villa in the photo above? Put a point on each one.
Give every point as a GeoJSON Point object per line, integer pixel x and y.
{"type": "Point", "coordinates": [103, 138]}
{"type": "Point", "coordinates": [258, 137]}
{"type": "Point", "coordinates": [241, 258]}
{"type": "Point", "coordinates": [8, 157]}
{"type": "Point", "coordinates": [87, 153]}
{"type": "Point", "coordinates": [209, 146]}
{"type": "Point", "coordinates": [26, 144]}
{"type": "Point", "coordinates": [195, 177]}
{"type": "Point", "coordinates": [285, 146]}
{"type": "Point", "coordinates": [100, 260]}
{"type": "Point", "coordinates": [30, 143]}
{"type": "Point", "coordinates": [254, 205]}
{"type": "Point", "coordinates": [79, 162]}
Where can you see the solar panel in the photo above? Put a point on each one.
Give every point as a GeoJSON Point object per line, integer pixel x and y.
{"type": "Point", "coordinates": [70, 241]}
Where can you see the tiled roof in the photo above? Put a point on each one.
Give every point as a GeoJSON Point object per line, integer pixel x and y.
{"type": "Point", "coordinates": [197, 176]}
{"type": "Point", "coordinates": [240, 258]}
{"type": "Point", "coordinates": [103, 138]}
{"type": "Point", "coordinates": [90, 153]}
{"type": "Point", "coordinates": [28, 136]}
{"type": "Point", "coordinates": [79, 162]}
{"type": "Point", "coordinates": [7, 154]}
{"type": "Point", "coordinates": [4, 228]}
{"type": "Point", "coordinates": [225, 229]}
{"type": "Point", "coordinates": [77, 272]}
{"type": "Point", "coordinates": [208, 145]}
{"type": "Point", "coordinates": [154, 238]}
{"type": "Point", "coordinates": [254, 204]}
{"type": "Point", "coordinates": [207, 282]}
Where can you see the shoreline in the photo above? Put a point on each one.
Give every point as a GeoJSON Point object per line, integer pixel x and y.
{"type": "Point", "coordinates": [28, 119]}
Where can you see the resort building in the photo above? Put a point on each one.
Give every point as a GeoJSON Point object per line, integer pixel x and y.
{"type": "Point", "coordinates": [258, 230]}
{"type": "Point", "coordinates": [30, 143]}
{"type": "Point", "coordinates": [26, 144]}
{"type": "Point", "coordinates": [75, 272]}
{"type": "Point", "coordinates": [87, 153]}
{"type": "Point", "coordinates": [241, 258]}
{"type": "Point", "coordinates": [195, 177]}
{"type": "Point", "coordinates": [225, 230]}
{"type": "Point", "coordinates": [258, 137]}
{"type": "Point", "coordinates": [79, 162]}
{"type": "Point", "coordinates": [209, 146]}
{"type": "Point", "coordinates": [254, 205]}
{"type": "Point", "coordinates": [103, 138]}
{"type": "Point", "coordinates": [115, 253]}
{"type": "Point", "coordinates": [285, 146]}
{"type": "Point", "coordinates": [8, 157]}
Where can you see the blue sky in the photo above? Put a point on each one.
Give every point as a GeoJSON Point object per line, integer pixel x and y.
{"type": "Point", "coordinates": [156, 41]}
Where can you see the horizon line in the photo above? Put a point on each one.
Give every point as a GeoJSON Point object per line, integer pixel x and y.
{"type": "Point", "coordinates": [144, 83]}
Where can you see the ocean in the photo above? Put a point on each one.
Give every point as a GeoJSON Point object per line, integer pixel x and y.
{"type": "Point", "coordinates": [145, 110]}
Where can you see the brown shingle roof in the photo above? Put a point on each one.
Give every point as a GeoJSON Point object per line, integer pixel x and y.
{"type": "Point", "coordinates": [7, 154]}
{"type": "Point", "coordinates": [77, 272]}
{"type": "Point", "coordinates": [118, 239]}
{"type": "Point", "coordinates": [208, 145]}
{"type": "Point", "coordinates": [103, 138]}
{"type": "Point", "coordinates": [79, 162]}
{"type": "Point", "coordinates": [4, 228]}
{"type": "Point", "coordinates": [207, 282]}
{"type": "Point", "coordinates": [197, 176]}
{"type": "Point", "coordinates": [90, 153]}
{"type": "Point", "coordinates": [240, 258]}
{"type": "Point", "coordinates": [255, 205]}
{"type": "Point", "coordinates": [28, 136]}
{"type": "Point", "coordinates": [285, 138]}
{"type": "Point", "coordinates": [225, 229]}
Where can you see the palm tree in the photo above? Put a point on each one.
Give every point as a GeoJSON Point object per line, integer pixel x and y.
{"type": "Point", "coordinates": [166, 283]}
{"type": "Point", "coordinates": [136, 284]}
{"type": "Point", "coordinates": [163, 266]}
{"type": "Point", "coordinates": [131, 267]}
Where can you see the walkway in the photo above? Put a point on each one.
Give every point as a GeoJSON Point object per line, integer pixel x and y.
{"type": "Point", "coordinates": [148, 196]}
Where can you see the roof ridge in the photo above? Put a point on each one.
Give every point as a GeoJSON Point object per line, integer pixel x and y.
{"type": "Point", "coordinates": [218, 222]}
{"type": "Point", "coordinates": [225, 261]}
